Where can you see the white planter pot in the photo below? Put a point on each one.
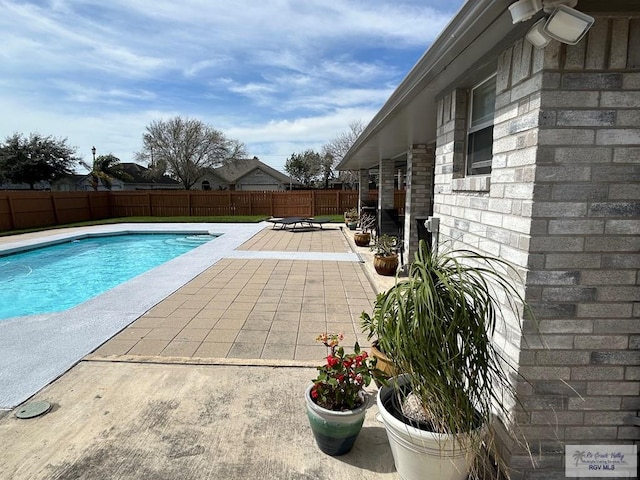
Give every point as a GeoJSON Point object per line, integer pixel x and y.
{"type": "Point", "coordinates": [420, 454]}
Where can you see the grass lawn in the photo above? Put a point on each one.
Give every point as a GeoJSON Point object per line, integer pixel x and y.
{"type": "Point", "coordinates": [225, 219]}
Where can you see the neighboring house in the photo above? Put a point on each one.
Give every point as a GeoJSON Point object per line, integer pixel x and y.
{"type": "Point", "coordinates": [246, 174]}
{"type": "Point", "coordinates": [533, 155]}
{"type": "Point", "coordinates": [139, 181]}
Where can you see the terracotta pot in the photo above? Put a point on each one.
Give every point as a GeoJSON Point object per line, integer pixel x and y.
{"type": "Point", "coordinates": [384, 363]}
{"type": "Point", "coordinates": [362, 239]}
{"type": "Point", "coordinates": [386, 265]}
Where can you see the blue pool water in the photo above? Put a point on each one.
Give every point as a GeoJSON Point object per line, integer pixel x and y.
{"type": "Point", "coordinates": [58, 277]}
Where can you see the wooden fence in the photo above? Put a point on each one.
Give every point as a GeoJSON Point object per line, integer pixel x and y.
{"type": "Point", "coordinates": [34, 209]}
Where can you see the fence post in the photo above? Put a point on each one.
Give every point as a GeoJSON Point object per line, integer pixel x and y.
{"type": "Point", "coordinates": [271, 204]}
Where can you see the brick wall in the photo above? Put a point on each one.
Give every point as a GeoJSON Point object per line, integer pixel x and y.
{"type": "Point", "coordinates": [386, 199]}
{"type": "Point", "coordinates": [562, 204]}
{"type": "Point", "coordinates": [420, 161]}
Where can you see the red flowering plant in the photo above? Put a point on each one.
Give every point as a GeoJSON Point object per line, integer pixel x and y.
{"type": "Point", "coordinates": [340, 382]}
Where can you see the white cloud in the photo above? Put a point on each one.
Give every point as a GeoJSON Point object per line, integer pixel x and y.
{"type": "Point", "coordinates": [279, 75]}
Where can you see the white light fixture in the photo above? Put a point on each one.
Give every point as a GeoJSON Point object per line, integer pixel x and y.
{"type": "Point", "coordinates": [523, 10]}
{"type": "Point", "coordinates": [536, 35]}
{"type": "Point", "coordinates": [550, 5]}
{"type": "Point", "coordinates": [567, 25]}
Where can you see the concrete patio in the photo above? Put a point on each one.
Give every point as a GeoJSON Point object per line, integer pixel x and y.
{"type": "Point", "coordinates": [209, 382]}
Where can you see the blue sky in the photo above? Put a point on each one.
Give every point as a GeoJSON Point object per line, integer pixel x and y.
{"type": "Point", "coordinates": [281, 76]}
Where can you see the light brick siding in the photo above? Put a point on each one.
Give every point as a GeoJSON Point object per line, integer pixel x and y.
{"type": "Point", "coordinates": [563, 205]}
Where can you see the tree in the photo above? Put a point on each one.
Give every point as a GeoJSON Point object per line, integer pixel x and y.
{"type": "Point", "coordinates": [337, 148]}
{"type": "Point", "coordinates": [105, 169]}
{"type": "Point", "coordinates": [327, 163]}
{"type": "Point", "coordinates": [304, 167]}
{"type": "Point", "coordinates": [35, 159]}
{"type": "Point", "coordinates": [185, 148]}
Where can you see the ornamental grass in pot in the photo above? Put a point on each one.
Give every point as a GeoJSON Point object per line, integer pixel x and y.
{"type": "Point", "coordinates": [437, 328]}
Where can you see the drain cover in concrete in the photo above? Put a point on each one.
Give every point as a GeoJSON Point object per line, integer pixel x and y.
{"type": "Point", "coordinates": [33, 409]}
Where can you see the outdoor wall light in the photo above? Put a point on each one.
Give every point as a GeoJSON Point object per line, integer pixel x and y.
{"type": "Point", "coordinates": [536, 34]}
{"type": "Point", "coordinates": [567, 25]}
{"type": "Point", "coordinates": [523, 10]}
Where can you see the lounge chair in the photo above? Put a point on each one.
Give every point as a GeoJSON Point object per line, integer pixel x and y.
{"type": "Point", "coordinates": [287, 221]}
{"type": "Point", "coordinates": [317, 221]}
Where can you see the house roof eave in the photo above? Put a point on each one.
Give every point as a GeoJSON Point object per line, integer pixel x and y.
{"type": "Point", "coordinates": [408, 117]}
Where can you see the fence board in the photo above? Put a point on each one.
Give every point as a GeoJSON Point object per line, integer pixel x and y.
{"type": "Point", "coordinates": [6, 217]}
{"type": "Point", "coordinates": [207, 204]}
{"type": "Point", "coordinates": [71, 207]}
{"type": "Point", "coordinates": [292, 204]}
{"type": "Point", "coordinates": [169, 204]}
{"type": "Point", "coordinates": [129, 204]}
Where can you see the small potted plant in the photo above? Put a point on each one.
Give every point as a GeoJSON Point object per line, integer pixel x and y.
{"type": "Point", "coordinates": [336, 400]}
{"type": "Point", "coordinates": [351, 218]}
{"type": "Point", "coordinates": [362, 238]}
{"type": "Point", "coordinates": [385, 256]}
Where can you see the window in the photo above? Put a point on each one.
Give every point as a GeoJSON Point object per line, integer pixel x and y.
{"type": "Point", "coordinates": [480, 133]}
{"type": "Point", "coordinates": [206, 185]}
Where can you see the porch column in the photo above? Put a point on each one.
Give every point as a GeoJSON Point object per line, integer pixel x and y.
{"type": "Point", "coordinates": [363, 190]}
{"type": "Point", "coordinates": [386, 184]}
{"type": "Point", "coordinates": [420, 162]}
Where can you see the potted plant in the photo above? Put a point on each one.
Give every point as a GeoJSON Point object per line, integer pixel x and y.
{"type": "Point", "coordinates": [437, 326]}
{"type": "Point", "coordinates": [336, 400]}
{"type": "Point", "coordinates": [362, 238]}
{"type": "Point", "coordinates": [385, 257]}
{"type": "Point", "coordinates": [383, 362]}
{"type": "Point", "coordinates": [351, 216]}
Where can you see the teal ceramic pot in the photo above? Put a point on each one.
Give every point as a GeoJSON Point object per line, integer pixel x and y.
{"type": "Point", "coordinates": [335, 432]}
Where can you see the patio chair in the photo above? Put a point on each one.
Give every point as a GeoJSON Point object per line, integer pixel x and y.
{"type": "Point", "coordinates": [317, 221]}
{"type": "Point", "coordinates": [286, 221]}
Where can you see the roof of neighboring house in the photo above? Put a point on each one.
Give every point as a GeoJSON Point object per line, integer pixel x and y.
{"type": "Point", "coordinates": [139, 175]}
{"type": "Point", "coordinates": [74, 177]}
{"type": "Point", "coordinates": [461, 53]}
{"type": "Point", "coordinates": [233, 171]}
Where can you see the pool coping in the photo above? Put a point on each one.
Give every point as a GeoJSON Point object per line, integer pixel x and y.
{"type": "Point", "coordinates": [64, 338]}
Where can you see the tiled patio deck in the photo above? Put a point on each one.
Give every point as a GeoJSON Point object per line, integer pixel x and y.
{"type": "Point", "coordinates": [256, 309]}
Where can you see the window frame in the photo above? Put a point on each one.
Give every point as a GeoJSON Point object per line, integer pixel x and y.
{"type": "Point", "coordinates": [473, 132]}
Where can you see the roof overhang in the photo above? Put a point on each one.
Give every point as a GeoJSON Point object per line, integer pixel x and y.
{"type": "Point", "coordinates": [460, 56]}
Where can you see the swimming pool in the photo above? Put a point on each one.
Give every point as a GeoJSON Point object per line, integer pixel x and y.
{"type": "Point", "coordinates": [37, 349]}
{"type": "Point", "coordinates": [60, 276]}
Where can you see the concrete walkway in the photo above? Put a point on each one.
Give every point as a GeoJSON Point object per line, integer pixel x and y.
{"type": "Point", "coordinates": [208, 383]}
